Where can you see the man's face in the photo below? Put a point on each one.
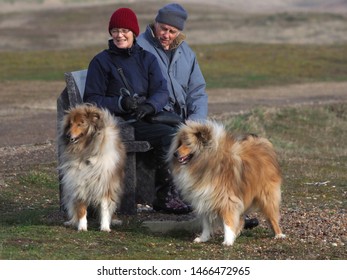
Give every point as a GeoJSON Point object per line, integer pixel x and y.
{"type": "Point", "coordinates": [166, 34]}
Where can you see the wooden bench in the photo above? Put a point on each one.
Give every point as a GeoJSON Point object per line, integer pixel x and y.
{"type": "Point", "coordinates": [139, 172]}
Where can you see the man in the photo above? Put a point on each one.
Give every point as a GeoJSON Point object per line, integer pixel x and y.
{"type": "Point", "coordinates": [186, 84]}
{"type": "Point", "coordinates": [178, 62]}
{"type": "Point", "coordinates": [179, 65]}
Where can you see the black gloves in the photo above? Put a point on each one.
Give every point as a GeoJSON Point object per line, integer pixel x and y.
{"type": "Point", "coordinates": [129, 103]}
{"type": "Point", "coordinates": [144, 110]}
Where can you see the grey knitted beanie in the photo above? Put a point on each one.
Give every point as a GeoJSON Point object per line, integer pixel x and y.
{"type": "Point", "coordinates": [172, 14]}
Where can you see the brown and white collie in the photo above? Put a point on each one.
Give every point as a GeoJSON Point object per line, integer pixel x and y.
{"type": "Point", "coordinates": [91, 164]}
{"type": "Point", "coordinates": [224, 177]}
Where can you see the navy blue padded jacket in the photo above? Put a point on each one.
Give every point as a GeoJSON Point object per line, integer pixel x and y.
{"type": "Point", "coordinates": [142, 71]}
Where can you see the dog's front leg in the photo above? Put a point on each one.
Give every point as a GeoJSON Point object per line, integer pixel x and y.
{"type": "Point", "coordinates": [106, 215]}
{"type": "Point", "coordinates": [81, 209]}
{"type": "Point", "coordinates": [229, 235]}
{"type": "Point", "coordinates": [82, 224]}
{"type": "Point", "coordinates": [206, 230]}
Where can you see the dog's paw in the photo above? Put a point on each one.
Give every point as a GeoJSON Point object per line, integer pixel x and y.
{"type": "Point", "coordinates": [201, 239]}
{"type": "Point", "coordinates": [227, 243]}
{"type": "Point", "coordinates": [280, 236]}
{"type": "Point", "coordinates": [82, 228]}
{"type": "Point", "coordinates": [105, 229]}
{"type": "Point", "coordinates": [198, 240]}
{"type": "Point", "coordinates": [82, 225]}
{"type": "Point", "coordinates": [116, 222]}
{"type": "Point", "coordinates": [229, 240]}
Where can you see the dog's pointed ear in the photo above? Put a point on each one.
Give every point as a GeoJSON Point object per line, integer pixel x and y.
{"type": "Point", "coordinates": [93, 113]}
{"type": "Point", "coordinates": [95, 116]}
{"type": "Point", "coordinates": [204, 134]}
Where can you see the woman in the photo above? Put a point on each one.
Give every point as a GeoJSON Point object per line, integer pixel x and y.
{"type": "Point", "coordinates": [140, 92]}
{"type": "Point", "coordinates": [104, 85]}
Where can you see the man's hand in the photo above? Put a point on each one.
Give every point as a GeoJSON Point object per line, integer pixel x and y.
{"type": "Point", "coordinates": [144, 110]}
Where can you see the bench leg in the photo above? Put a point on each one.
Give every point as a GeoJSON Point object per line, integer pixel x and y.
{"type": "Point", "coordinates": [61, 204]}
{"type": "Point", "coordinates": [128, 201]}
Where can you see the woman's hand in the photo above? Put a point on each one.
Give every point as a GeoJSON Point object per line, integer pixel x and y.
{"type": "Point", "coordinates": [129, 103]}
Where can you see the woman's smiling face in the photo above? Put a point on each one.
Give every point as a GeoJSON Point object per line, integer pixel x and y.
{"type": "Point", "coordinates": [123, 38]}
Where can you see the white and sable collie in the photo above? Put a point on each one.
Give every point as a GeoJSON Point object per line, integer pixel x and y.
{"type": "Point", "coordinates": [224, 177]}
{"type": "Point", "coordinates": [92, 164]}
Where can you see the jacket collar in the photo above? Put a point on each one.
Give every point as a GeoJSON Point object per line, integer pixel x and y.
{"type": "Point", "coordinates": [175, 44]}
{"type": "Point", "coordinates": [129, 52]}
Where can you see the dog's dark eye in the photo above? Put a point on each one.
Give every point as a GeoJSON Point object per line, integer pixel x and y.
{"type": "Point", "coordinates": [187, 142]}
{"type": "Point", "coordinates": [81, 123]}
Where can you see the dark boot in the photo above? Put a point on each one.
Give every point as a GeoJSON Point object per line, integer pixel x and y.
{"type": "Point", "coordinates": [250, 223]}
{"type": "Point", "coordinates": [176, 195]}
{"type": "Point", "coordinates": [167, 198]}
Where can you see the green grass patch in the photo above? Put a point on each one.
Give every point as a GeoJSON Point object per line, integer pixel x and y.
{"type": "Point", "coordinates": [43, 65]}
{"type": "Point", "coordinates": [226, 65]}
{"type": "Point", "coordinates": [254, 65]}
{"type": "Point", "coordinates": [310, 131]}
{"type": "Point", "coordinates": [311, 146]}
{"type": "Point", "coordinates": [310, 142]}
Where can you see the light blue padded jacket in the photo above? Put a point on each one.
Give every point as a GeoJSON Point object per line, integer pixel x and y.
{"type": "Point", "coordinates": [186, 84]}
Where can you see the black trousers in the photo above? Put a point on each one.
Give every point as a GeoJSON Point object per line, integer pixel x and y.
{"type": "Point", "coordinates": [158, 135]}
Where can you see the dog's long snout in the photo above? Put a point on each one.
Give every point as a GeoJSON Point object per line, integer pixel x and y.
{"type": "Point", "coordinates": [70, 138]}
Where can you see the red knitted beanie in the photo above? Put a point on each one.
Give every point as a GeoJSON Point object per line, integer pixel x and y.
{"type": "Point", "coordinates": [124, 18]}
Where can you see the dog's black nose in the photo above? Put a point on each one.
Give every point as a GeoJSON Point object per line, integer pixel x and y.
{"type": "Point", "coordinates": [69, 138]}
{"type": "Point", "coordinates": [175, 154]}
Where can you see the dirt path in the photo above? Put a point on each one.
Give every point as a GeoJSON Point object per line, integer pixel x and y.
{"type": "Point", "coordinates": [28, 109]}
{"type": "Point", "coordinates": [224, 102]}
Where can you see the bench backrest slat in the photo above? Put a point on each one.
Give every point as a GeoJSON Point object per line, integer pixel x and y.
{"type": "Point", "coordinates": [76, 82]}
